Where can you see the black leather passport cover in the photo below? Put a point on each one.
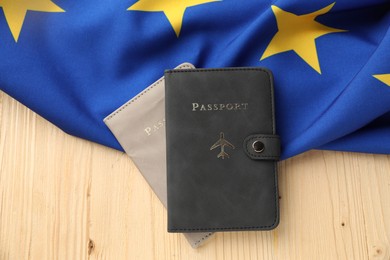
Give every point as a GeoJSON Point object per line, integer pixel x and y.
{"type": "Point", "coordinates": [221, 150]}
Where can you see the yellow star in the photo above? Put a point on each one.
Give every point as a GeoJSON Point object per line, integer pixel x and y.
{"type": "Point", "coordinates": [385, 78]}
{"type": "Point", "coordinates": [173, 9]}
{"type": "Point", "coordinates": [15, 12]}
{"type": "Point", "coordinates": [298, 33]}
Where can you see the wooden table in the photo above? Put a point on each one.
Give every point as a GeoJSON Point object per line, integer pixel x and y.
{"type": "Point", "coordinates": [66, 198]}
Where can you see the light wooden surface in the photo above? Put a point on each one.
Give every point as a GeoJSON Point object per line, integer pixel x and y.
{"type": "Point", "coordinates": [65, 198]}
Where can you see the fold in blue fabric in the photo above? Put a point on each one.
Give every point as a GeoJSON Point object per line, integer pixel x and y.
{"type": "Point", "coordinates": [75, 62]}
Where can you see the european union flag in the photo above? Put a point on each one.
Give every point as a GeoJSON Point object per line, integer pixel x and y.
{"type": "Point", "coordinates": [74, 62]}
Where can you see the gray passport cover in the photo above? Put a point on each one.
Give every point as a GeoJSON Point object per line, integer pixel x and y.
{"type": "Point", "coordinates": [221, 150]}
{"type": "Point", "coordinates": [139, 126]}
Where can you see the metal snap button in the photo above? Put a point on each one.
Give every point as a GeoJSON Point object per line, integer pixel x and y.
{"type": "Point", "coordinates": [258, 146]}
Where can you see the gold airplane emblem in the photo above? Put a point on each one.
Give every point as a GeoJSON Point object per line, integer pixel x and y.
{"type": "Point", "coordinates": [222, 142]}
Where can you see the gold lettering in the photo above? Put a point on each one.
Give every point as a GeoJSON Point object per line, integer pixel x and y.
{"type": "Point", "coordinates": [219, 107]}
{"type": "Point", "coordinates": [148, 131]}
{"type": "Point", "coordinates": [156, 127]}
{"type": "Point", "coordinates": [194, 106]}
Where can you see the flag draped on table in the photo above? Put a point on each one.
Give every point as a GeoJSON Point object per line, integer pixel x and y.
{"type": "Point", "coordinates": [74, 62]}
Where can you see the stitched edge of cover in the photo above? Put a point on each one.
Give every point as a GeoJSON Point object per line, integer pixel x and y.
{"type": "Point", "coordinates": [120, 109]}
{"type": "Point", "coordinates": [202, 239]}
{"type": "Point", "coordinates": [276, 219]}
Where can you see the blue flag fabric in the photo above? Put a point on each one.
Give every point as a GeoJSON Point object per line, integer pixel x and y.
{"type": "Point", "coordinates": [74, 62]}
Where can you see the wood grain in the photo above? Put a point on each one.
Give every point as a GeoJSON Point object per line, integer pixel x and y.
{"type": "Point", "coordinates": [66, 198]}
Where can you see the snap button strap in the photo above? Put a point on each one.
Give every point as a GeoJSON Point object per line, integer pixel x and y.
{"type": "Point", "coordinates": [262, 147]}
